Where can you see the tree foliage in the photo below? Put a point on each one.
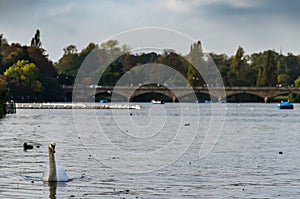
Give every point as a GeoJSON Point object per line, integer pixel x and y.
{"type": "Point", "coordinates": [197, 63]}
{"type": "Point", "coordinates": [3, 92]}
{"type": "Point", "coordinates": [297, 82]}
{"type": "Point", "coordinates": [71, 49]}
{"type": "Point", "coordinates": [31, 74]}
{"type": "Point", "coordinates": [238, 63]}
{"type": "Point", "coordinates": [36, 40]}
{"type": "Point", "coordinates": [24, 73]}
{"type": "Point", "coordinates": [68, 65]}
{"type": "Point", "coordinates": [283, 80]}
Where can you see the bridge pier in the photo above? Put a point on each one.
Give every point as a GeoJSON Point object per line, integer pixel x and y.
{"type": "Point", "coordinates": [174, 99]}
{"type": "Point", "coordinates": [267, 99]}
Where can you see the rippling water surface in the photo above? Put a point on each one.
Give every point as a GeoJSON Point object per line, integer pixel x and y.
{"type": "Point", "coordinates": [245, 162]}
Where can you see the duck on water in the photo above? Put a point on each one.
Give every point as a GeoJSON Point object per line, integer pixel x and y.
{"type": "Point", "coordinates": [27, 146]}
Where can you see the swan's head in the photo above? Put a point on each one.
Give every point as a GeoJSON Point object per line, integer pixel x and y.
{"type": "Point", "coordinates": [51, 147]}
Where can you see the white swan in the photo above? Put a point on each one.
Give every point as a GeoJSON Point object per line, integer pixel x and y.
{"type": "Point", "coordinates": [54, 173]}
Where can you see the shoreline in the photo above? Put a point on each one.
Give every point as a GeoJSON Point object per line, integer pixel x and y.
{"type": "Point", "coordinates": [75, 106]}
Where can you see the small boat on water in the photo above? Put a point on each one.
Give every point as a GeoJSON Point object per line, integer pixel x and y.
{"type": "Point", "coordinates": [285, 105]}
{"type": "Point", "coordinates": [103, 101]}
{"type": "Point", "coordinates": [153, 101]}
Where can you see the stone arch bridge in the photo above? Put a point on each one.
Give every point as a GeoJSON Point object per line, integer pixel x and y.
{"type": "Point", "coordinates": [84, 93]}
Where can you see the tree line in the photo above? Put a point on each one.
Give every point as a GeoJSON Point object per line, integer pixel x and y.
{"type": "Point", "coordinates": [27, 73]}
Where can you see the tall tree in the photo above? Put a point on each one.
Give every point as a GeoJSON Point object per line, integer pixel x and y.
{"type": "Point", "coordinates": [197, 66]}
{"type": "Point", "coordinates": [36, 40]}
{"type": "Point", "coordinates": [238, 63]}
{"type": "Point", "coordinates": [267, 73]}
{"type": "Point", "coordinates": [292, 68]}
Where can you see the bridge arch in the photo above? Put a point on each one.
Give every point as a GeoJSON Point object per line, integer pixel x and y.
{"type": "Point", "coordinates": [244, 97]}
{"type": "Point", "coordinates": [230, 93]}
{"type": "Point", "coordinates": [161, 93]}
{"type": "Point", "coordinates": [148, 96]}
{"type": "Point", "coordinates": [201, 96]}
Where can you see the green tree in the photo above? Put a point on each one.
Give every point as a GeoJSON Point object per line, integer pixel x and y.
{"type": "Point", "coordinates": [178, 63]}
{"type": "Point", "coordinates": [297, 82]}
{"type": "Point", "coordinates": [283, 79]}
{"type": "Point", "coordinates": [11, 54]}
{"type": "Point", "coordinates": [223, 63]}
{"type": "Point", "coordinates": [196, 58]}
{"type": "Point", "coordinates": [244, 73]}
{"type": "Point", "coordinates": [292, 66]}
{"type": "Point", "coordinates": [24, 72]}
{"type": "Point", "coordinates": [47, 75]}
{"type": "Point", "coordinates": [238, 62]}
{"type": "Point", "coordinates": [68, 65]}
{"type": "Point", "coordinates": [111, 55]}
{"type": "Point", "coordinates": [267, 75]}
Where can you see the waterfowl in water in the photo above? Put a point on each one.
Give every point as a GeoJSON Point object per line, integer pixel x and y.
{"type": "Point", "coordinates": [54, 173]}
{"type": "Point", "coordinates": [27, 146]}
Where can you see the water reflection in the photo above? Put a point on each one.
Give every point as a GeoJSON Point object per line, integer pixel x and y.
{"type": "Point", "coordinates": [53, 187]}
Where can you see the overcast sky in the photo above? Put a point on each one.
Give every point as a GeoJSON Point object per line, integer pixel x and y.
{"type": "Point", "coordinates": [221, 25]}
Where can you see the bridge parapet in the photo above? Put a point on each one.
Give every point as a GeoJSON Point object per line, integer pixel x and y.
{"type": "Point", "coordinates": [263, 92]}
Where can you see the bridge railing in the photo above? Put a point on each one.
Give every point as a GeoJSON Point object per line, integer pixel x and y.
{"type": "Point", "coordinates": [242, 88]}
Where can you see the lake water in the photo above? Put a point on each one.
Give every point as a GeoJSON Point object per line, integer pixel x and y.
{"type": "Point", "coordinates": [155, 152]}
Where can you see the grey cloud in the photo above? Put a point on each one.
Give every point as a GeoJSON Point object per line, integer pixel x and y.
{"type": "Point", "coordinates": [222, 25]}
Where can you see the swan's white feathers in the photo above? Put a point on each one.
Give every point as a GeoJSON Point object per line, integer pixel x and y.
{"type": "Point", "coordinates": [46, 175]}
{"type": "Point", "coordinates": [61, 175]}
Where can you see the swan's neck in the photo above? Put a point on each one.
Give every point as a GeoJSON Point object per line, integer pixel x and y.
{"type": "Point", "coordinates": [52, 167]}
